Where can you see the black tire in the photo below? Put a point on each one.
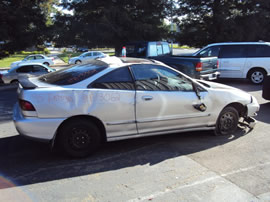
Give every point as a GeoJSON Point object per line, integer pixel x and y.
{"type": "Point", "coordinates": [78, 62]}
{"type": "Point", "coordinates": [79, 137]}
{"type": "Point", "coordinates": [266, 88]}
{"type": "Point", "coordinates": [14, 82]}
{"type": "Point", "coordinates": [256, 76]}
{"type": "Point", "coordinates": [46, 63]}
{"type": "Point", "coordinates": [227, 121]}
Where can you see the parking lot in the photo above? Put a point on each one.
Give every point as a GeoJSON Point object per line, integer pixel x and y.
{"type": "Point", "coordinates": [193, 166]}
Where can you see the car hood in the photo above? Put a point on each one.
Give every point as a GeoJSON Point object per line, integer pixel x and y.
{"type": "Point", "coordinates": [227, 93]}
{"type": "Point", "coordinates": [215, 85]}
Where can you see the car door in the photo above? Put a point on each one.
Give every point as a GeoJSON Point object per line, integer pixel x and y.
{"type": "Point", "coordinates": [88, 57]}
{"type": "Point", "coordinates": [24, 71]}
{"type": "Point", "coordinates": [38, 70]}
{"type": "Point", "coordinates": [232, 59]}
{"type": "Point", "coordinates": [113, 102]}
{"type": "Point", "coordinates": [165, 100]}
{"type": "Point", "coordinates": [39, 59]}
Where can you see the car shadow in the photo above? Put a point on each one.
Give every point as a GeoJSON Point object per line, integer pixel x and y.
{"type": "Point", "coordinates": [24, 162]}
{"type": "Point", "coordinates": [6, 103]}
{"type": "Point", "coordinates": [242, 84]}
{"type": "Point", "coordinates": [263, 114]}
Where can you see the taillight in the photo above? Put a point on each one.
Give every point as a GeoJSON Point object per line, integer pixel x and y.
{"type": "Point", "coordinates": [199, 67]}
{"type": "Point", "coordinates": [1, 76]}
{"type": "Point", "coordinates": [26, 106]}
{"type": "Point", "coordinates": [217, 64]}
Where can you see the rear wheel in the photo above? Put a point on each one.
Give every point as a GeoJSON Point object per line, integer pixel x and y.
{"type": "Point", "coordinates": [79, 137]}
{"type": "Point", "coordinates": [227, 121]}
{"type": "Point", "coordinates": [256, 76]}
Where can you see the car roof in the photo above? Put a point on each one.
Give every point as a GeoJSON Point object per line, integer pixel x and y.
{"type": "Point", "coordinates": [27, 64]}
{"type": "Point", "coordinates": [36, 55]}
{"type": "Point", "coordinates": [240, 43]}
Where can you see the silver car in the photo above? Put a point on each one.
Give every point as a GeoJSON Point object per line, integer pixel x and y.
{"type": "Point", "coordinates": [87, 57]}
{"type": "Point", "coordinates": [24, 70]}
{"type": "Point", "coordinates": [113, 99]}
{"type": "Point", "coordinates": [37, 58]}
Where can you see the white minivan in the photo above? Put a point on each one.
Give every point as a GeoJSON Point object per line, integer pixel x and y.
{"type": "Point", "coordinates": [240, 59]}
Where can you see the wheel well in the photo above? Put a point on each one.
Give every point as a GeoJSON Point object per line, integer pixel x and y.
{"type": "Point", "coordinates": [256, 68]}
{"type": "Point", "coordinates": [242, 110]}
{"type": "Point", "coordinates": [78, 60]}
{"type": "Point", "coordinates": [94, 120]}
{"type": "Point", "coordinates": [14, 80]}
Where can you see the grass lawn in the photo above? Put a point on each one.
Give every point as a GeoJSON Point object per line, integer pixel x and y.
{"type": "Point", "coordinates": [5, 62]}
{"type": "Point", "coordinates": [177, 46]}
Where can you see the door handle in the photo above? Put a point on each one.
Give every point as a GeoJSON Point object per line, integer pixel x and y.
{"type": "Point", "coordinates": [147, 97]}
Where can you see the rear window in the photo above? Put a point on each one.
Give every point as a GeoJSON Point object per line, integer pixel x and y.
{"type": "Point", "coordinates": [74, 74]}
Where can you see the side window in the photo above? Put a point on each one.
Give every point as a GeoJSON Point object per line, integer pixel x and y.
{"type": "Point", "coordinates": [210, 52]}
{"type": "Point", "coordinates": [87, 55]}
{"type": "Point", "coordinates": [119, 79]}
{"type": "Point", "coordinates": [37, 68]}
{"type": "Point", "coordinates": [39, 57]}
{"type": "Point", "coordinates": [24, 69]}
{"type": "Point", "coordinates": [158, 78]}
{"type": "Point", "coordinates": [159, 49]}
{"type": "Point", "coordinates": [259, 51]}
{"type": "Point", "coordinates": [96, 53]}
{"type": "Point", "coordinates": [166, 49]}
{"type": "Point", "coordinates": [30, 58]}
{"type": "Point", "coordinates": [153, 50]}
{"type": "Point", "coordinates": [233, 51]}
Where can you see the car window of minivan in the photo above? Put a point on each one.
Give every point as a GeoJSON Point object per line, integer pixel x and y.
{"type": "Point", "coordinates": [233, 51]}
{"type": "Point", "coordinates": [259, 51]}
{"type": "Point", "coordinates": [209, 52]}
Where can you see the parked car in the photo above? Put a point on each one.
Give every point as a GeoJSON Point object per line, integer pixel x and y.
{"type": "Point", "coordinates": [266, 88]}
{"type": "Point", "coordinates": [240, 60]}
{"type": "Point", "coordinates": [195, 67]}
{"type": "Point", "coordinates": [82, 49]}
{"type": "Point", "coordinates": [112, 99]}
{"type": "Point", "coordinates": [86, 57]}
{"type": "Point", "coordinates": [24, 70]}
{"type": "Point", "coordinates": [38, 58]}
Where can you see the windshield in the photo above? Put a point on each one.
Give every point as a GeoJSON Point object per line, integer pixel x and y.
{"type": "Point", "coordinates": [75, 74]}
{"type": "Point", "coordinates": [196, 53]}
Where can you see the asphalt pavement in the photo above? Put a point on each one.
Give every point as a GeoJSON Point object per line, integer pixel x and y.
{"type": "Point", "coordinates": [193, 166]}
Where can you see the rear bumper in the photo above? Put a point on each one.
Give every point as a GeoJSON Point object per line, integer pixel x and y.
{"type": "Point", "coordinates": [35, 128]}
{"type": "Point", "coordinates": [211, 76]}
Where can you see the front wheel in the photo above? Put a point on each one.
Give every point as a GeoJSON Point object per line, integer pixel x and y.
{"type": "Point", "coordinates": [79, 137]}
{"type": "Point", "coordinates": [227, 121]}
{"type": "Point", "coordinates": [256, 76]}
{"type": "Point", "coordinates": [78, 62]}
{"type": "Point", "coordinates": [46, 63]}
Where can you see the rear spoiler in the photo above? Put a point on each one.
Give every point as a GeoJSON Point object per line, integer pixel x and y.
{"type": "Point", "coordinates": [26, 83]}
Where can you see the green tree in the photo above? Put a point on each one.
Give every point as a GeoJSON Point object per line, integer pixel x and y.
{"type": "Point", "coordinates": [112, 23]}
{"type": "Point", "coordinates": [23, 23]}
{"type": "Point", "coordinates": [223, 20]}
